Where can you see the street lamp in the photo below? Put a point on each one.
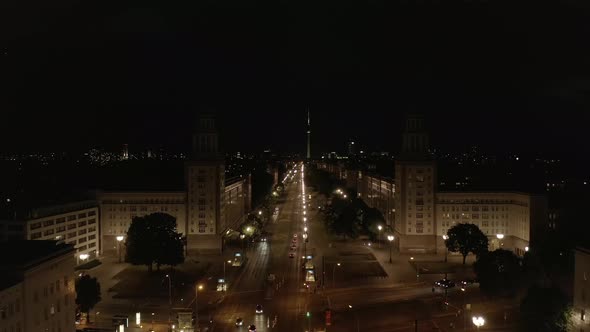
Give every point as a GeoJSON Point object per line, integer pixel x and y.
{"type": "Point", "coordinates": [305, 242]}
{"type": "Point", "coordinates": [390, 239]}
{"type": "Point", "coordinates": [119, 240]}
{"type": "Point", "coordinates": [197, 289]}
{"type": "Point", "coordinates": [305, 229]}
{"type": "Point", "coordinates": [225, 280]}
{"type": "Point", "coordinates": [478, 321]}
{"type": "Point", "coordinates": [169, 295]}
{"type": "Point", "coordinates": [500, 237]}
{"type": "Point", "coordinates": [446, 237]}
{"type": "Point", "coordinates": [333, 278]}
{"type": "Point", "coordinates": [242, 236]}
{"type": "Point", "coordinates": [379, 240]}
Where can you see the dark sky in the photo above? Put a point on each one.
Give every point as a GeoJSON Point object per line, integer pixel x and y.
{"type": "Point", "coordinates": [509, 76]}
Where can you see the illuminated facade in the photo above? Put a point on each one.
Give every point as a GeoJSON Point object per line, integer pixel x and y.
{"type": "Point", "coordinates": [420, 215]}
{"type": "Point", "coordinates": [74, 223]}
{"type": "Point", "coordinates": [581, 318]}
{"type": "Point", "coordinates": [209, 206]}
{"type": "Point", "coordinates": [37, 291]}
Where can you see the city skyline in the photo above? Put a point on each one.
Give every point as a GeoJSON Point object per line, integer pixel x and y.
{"type": "Point", "coordinates": [260, 130]}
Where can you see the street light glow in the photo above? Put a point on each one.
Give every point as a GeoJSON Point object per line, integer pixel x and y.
{"type": "Point", "coordinates": [84, 256]}
{"type": "Point", "coordinates": [380, 227]}
{"type": "Point", "coordinates": [500, 236]}
{"type": "Point", "coordinates": [390, 237]}
{"type": "Point", "coordinates": [478, 321]}
{"type": "Point", "coordinates": [120, 238]}
{"type": "Point", "coordinates": [445, 237]}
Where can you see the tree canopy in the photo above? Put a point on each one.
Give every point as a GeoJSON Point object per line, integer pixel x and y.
{"type": "Point", "coordinates": [545, 309]}
{"type": "Point", "coordinates": [499, 272]}
{"type": "Point", "coordinates": [87, 294]}
{"type": "Point", "coordinates": [466, 238]}
{"type": "Point", "coordinates": [154, 239]}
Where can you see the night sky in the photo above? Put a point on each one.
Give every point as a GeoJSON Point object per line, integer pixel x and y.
{"type": "Point", "coordinates": [504, 75]}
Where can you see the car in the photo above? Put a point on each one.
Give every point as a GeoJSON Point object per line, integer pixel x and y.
{"type": "Point", "coordinates": [466, 282]}
{"type": "Point", "coordinates": [293, 248]}
{"type": "Point", "coordinates": [295, 235]}
{"type": "Point", "coordinates": [291, 255]}
{"type": "Point", "coordinates": [445, 283]}
{"type": "Point", "coordinates": [258, 309]}
{"type": "Point", "coordinates": [252, 328]}
{"type": "Point", "coordinates": [294, 240]}
{"type": "Point", "coordinates": [239, 321]}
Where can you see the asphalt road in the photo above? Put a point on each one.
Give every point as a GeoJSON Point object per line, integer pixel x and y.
{"type": "Point", "coordinates": [284, 305]}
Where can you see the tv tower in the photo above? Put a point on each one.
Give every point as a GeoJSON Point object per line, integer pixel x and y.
{"type": "Point", "coordinates": [308, 136]}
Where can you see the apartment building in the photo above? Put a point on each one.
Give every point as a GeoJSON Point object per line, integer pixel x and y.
{"type": "Point", "coordinates": [378, 192]}
{"type": "Point", "coordinates": [37, 292]}
{"type": "Point", "coordinates": [117, 210]}
{"type": "Point", "coordinates": [507, 218]}
{"type": "Point", "coordinates": [581, 318]}
{"type": "Point", "coordinates": [74, 223]}
{"type": "Point", "coordinates": [420, 215]}
{"type": "Point", "coordinates": [205, 210]}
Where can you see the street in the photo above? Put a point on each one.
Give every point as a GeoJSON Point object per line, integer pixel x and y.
{"type": "Point", "coordinates": [353, 278]}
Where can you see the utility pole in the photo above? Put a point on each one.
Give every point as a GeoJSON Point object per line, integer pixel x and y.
{"type": "Point", "coordinates": [323, 272]}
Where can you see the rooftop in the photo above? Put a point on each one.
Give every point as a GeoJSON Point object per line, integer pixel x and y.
{"type": "Point", "coordinates": [28, 253]}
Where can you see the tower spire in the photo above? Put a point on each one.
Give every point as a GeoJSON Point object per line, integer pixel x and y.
{"type": "Point", "coordinates": [308, 135]}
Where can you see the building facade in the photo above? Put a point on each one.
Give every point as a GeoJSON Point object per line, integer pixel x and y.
{"type": "Point", "coordinates": [506, 218]}
{"type": "Point", "coordinates": [377, 192]}
{"type": "Point", "coordinates": [210, 205]}
{"type": "Point", "coordinates": [581, 319]}
{"type": "Point", "coordinates": [74, 223]}
{"type": "Point", "coordinates": [117, 209]}
{"type": "Point", "coordinates": [420, 215]}
{"type": "Point", "coordinates": [42, 295]}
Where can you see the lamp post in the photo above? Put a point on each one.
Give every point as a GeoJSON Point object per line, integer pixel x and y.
{"type": "Point", "coordinates": [225, 280]}
{"type": "Point", "coordinates": [379, 240]}
{"type": "Point", "coordinates": [119, 240]}
{"type": "Point", "coordinates": [500, 237]}
{"type": "Point", "coordinates": [333, 277]}
{"type": "Point", "coordinates": [390, 239]}
{"type": "Point", "coordinates": [197, 288]}
{"type": "Point", "coordinates": [358, 328]}
{"type": "Point", "coordinates": [478, 321]}
{"type": "Point", "coordinates": [446, 237]}
{"type": "Point", "coordinates": [242, 236]}
{"type": "Point", "coordinates": [305, 243]}
{"type": "Point", "coordinates": [169, 295]}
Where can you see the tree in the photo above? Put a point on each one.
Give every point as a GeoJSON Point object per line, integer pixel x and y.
{"type": "Point", "coordinates": [347, 223]}
{"type": "Point", "coordinates": [371, 219]}
{"type": "Point", "coordinates": [499, 272]}
{"type": "Point", "coordinates": [466, 238]}
{"type": "Point", "coordinates": [545, 309]}
{"type": "Point", "coordinates": [87, 294]}
{"type": "Point", "coordinates": [140, 243]}
{"type": "Point", "coordinates": [154, 239]}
